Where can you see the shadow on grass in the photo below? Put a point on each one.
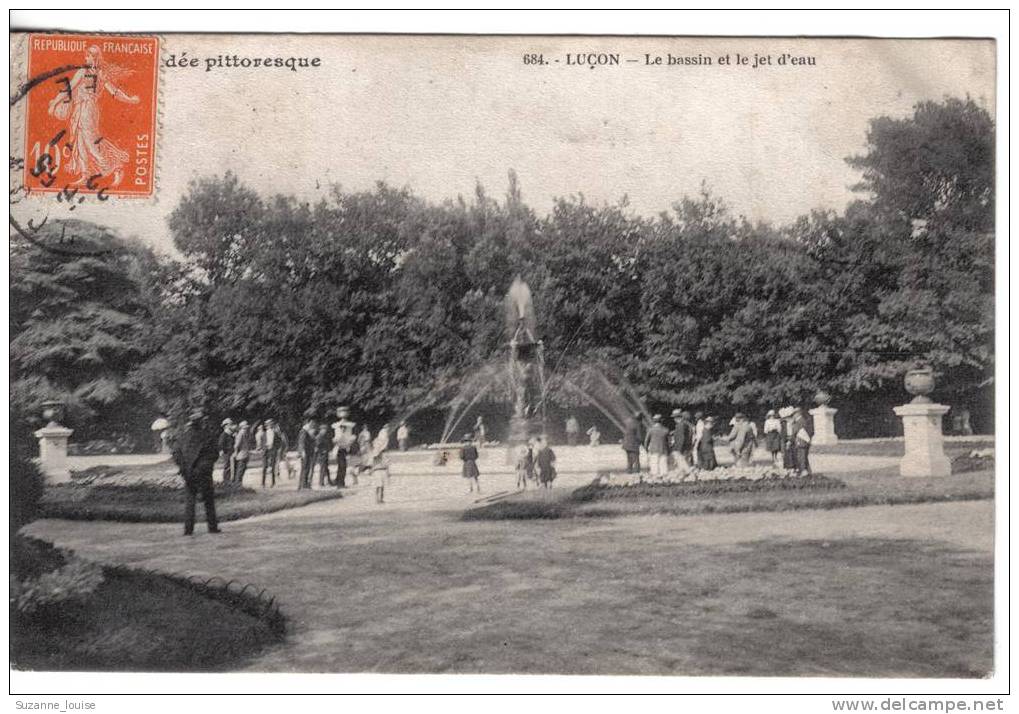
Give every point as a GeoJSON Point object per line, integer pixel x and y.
{"type": "Point", "coordinates": [139, 504]}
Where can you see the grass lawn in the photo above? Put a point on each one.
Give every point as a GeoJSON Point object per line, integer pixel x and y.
{"type": "Point", "coordinates": [877, 591]}
{"type": "Point", "coordinates": [160, 505]}
{"type": "Point", "coordinates": [878, 487]}
{"type": "Point", "coordinates": [587, 596]}
{"type": "Point", "coordinates": [139, 622]}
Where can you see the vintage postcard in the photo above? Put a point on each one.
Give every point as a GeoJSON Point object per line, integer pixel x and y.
{"type": "Point", "coordinates": [454, 354]}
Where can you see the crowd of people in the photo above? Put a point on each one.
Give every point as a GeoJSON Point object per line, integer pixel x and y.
{"type": "Point", "coordinates": [320, 443]}
{"type": "Point", "coordinates": [689, 447]}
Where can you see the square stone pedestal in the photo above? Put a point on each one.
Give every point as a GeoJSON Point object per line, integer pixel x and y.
{"type": "Point", "coordinates": [824, 425]}
{"type": "Point", "coordinates": [53, 452]}
{"type": "Point", "coordinates": [921, 426]}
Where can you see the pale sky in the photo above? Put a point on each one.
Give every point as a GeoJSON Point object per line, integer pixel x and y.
{"type": "Point", "coordinates": [435, 114]}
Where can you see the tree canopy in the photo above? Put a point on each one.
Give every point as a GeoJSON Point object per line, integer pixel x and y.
{"type": "Point", "coordinates": [385, 301]}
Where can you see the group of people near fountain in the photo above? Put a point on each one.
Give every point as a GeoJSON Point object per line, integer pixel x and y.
{"type": "Point", "coordinates": [689, 447]}
{"type": "Point", "coordinates": [319, 444]}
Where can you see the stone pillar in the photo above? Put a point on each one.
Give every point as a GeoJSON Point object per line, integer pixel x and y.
{"type": "Point", "coordinates": [921, 425]}
{"type": "Point", "coordinates": [53, 452]}
{"type": "Point", "coordinates": [824, 425]}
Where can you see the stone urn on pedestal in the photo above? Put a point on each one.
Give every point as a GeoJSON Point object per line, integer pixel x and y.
{"type": "Point", "coordinates": [53, 443]}
{"type": "Point", "coordinates": [824, 420]}
{"type": "Point", "coordinates": [921, 427]}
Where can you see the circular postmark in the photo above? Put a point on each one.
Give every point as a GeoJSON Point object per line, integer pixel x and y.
{"type": "Point", "coordinates": [46, 219]}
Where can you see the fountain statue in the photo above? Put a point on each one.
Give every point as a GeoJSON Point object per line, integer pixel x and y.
{"type": "Point", "coordinates": [521, 375]}
{"type": "Point", "coordinates": [526, 369]}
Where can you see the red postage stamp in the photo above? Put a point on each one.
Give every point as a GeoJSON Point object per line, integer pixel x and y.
{"type": "Point", "coordinates": [90, 122]}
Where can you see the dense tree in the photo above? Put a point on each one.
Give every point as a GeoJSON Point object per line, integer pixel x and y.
{"type": "Point", "coordinates": [78, 328]}
{"type": "Point", "coordinates": [931, 219]}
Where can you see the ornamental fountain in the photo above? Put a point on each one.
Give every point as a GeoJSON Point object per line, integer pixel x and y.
{"type": "Point", "coordinates": [521, 375]}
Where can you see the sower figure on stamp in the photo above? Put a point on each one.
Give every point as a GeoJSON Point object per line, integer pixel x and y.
{"type": "Point", "coordinates": [195, 454]}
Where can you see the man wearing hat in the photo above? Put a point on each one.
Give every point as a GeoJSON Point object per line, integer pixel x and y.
{"type": "Point", "coordinates": [682, 439]}
{"type": "Point", "coordinates": [657, 444]}
{"type": "Point", "coordinates": [226, 449]}
{"type": "Point", "coordinates": [343, 433]}
{"type": "Point", "coordinates": [742, 439]}
{"type": "Point", "coordinates": [306, 449]}
{"type": "Point", "coordinates": [244, 442]}
{"type": "Point", "coordinates": [195, 455]}
{"type": "Point", "coordinates": [773, 436]}
{"type": "Point", "coordinates": [801, 442]}
{"type": "Point", "coordinates": [273, 443]}
{"type": "Point", "coordinates": [788, 445]}
{"type": "Point", "coordinates": [632, 442]}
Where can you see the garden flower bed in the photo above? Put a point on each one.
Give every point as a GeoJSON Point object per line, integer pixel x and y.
{"type": "Point", "coordinates": [620, 495]}
{"type": "Point", "coordinates": [722, 481]}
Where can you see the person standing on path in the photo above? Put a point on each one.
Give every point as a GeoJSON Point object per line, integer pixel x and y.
{"type": "Point", "coordinates": [657, 444]}
{"type": "Point", "coordinates": [682, 440]}
{"type": "Point", "coordinates": [323, 449]}
{"type": "Point", "coordinates": [801, 443]}
{"type": "Point", "coordinates": [364, 449]}
{"type": "Point", "coordinates": [244, 442]}
{"type": "Point", "coordinates": [631, 443]}
{"type": "Point", "coordinates": [773, 437]}
{"type": "Point", "coordinates": [379, 465]}
{"type": "Point", "coordinates": [594, 436]}
{"type": "Point", "coordinates": [306, 451]}
{"type": "Point", "coordinates": [572, 430]}
{"type": "Point", "coordinates": [195, 453]}
{"type": "Point", "coordinates": [479, 431]}
{"type": "Point", "coordinates": [545, 461]}
{"type": "Point", "coordinates": [788, 440]}
{"type": "Point", "coordinates": [226, 449]}
{"type": "Point", "coordinates": [706, 446]}
{"type": "Point", "coordinates": [469, 457]}
{"type": "Point", "coordinates": [403, 436]}
{"type": "Point", "coordinates": [273, 444]}
{"type": "Point", "coordinates": [525, 465]}
{"type": "Point", "coordinates": [742, 440]}
{"type": "Point", "coordinates": [698, 432]}
{"type": "Point", "coordinates": [343, 433]}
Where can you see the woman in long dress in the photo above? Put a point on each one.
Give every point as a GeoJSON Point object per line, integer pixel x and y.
{"type": "Point", "coordinates": [379, 465]}
{"type": "Point", "coordinates": [469, 456]}
{"type": "Point", "coordinates": [525, 466]}
{"type": "Point", "coordinates": [706, 446]}
{"type": "Point", "coordinates": [545, 460]}
{"type": "Point", "coordinates": [92, 153]}
{"type": "Point", "coordinates": [773, 436]}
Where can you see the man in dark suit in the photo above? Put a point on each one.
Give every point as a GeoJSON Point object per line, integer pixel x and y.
{"type": "Point", "coordinates": [273, 443]}
{"type": "Point", "coordinates": [682, 439]}
{"type": "Point", "coordinates": [195, 453]}
{"type": "Point", "coordinates": [306, 450]}
{"type": "Point", "coordinates": [632, 440]}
